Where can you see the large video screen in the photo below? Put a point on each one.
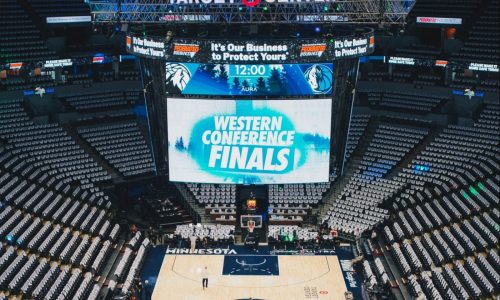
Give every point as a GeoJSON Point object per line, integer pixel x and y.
{"type": "Point", "coordinates": [248, 79]}
{"type": "Point", "coordinates": [249, 141]}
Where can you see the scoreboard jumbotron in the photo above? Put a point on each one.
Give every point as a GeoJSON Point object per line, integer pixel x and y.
{"type": "Point", "coordinates": [271, 110]}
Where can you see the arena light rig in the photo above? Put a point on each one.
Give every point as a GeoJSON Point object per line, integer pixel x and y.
{"type": "Point", "coordinates": [230, 11]}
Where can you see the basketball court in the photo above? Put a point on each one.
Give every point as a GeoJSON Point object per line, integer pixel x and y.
{"type": "Point", "coordinates": [250, 276]}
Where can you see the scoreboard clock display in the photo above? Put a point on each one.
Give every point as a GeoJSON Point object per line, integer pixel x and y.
{"type": "Point", "coordinates": [249, 79]}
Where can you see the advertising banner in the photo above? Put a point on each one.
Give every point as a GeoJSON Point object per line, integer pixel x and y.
{"type": "Point", "coordinates": [483, 67]}
{"type": "Point", "coordinates": [352, 47]}
{"type": "Point", "coordinates": [249, 141]}
{"type": "Point", "coordinates": [278, 51]}
{"type": "Point", "coordinates": [68, 19]}
{"type": "Point", "coordinates": [145, 46]}
{"type": "Point", "coordinates": [440, 21]}
{"type": "Point", "coordinates": [54, 63]}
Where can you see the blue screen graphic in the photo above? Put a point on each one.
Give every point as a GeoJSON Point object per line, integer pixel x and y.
{"type": "Point", "coordinates": [249, 141]}
{"type": "Point", "coordinates": [256, 80]}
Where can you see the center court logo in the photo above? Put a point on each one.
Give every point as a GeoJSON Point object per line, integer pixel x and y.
{"type": "Point", "coordinates": [250, 265]}
{"type": "Point", "coordinates": [246, 268]}
{"type": "Point", "coordinates": [245, 264]}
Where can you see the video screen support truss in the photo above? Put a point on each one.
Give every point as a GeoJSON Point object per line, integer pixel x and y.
{"type": "Point", "coordinates": [339, 11]}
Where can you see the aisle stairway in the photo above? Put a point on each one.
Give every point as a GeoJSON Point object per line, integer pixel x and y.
{"type": "Point", "coordinates": [351, 166]}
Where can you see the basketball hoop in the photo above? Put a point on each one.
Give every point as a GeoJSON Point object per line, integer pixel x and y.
{"type": "Point", "coordinates": [251, 226]}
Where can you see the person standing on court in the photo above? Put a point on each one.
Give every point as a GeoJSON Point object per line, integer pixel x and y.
{"type": "Point", "coordinates": [204, 276]}
{"type": "Point", "coordinates": [193, 243]}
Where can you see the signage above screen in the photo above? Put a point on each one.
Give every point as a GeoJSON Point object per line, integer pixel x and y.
{"type": "Point", "coordinates": [246, 51]}
{"type": "Point", "coordinates": [145, 46]}
{"type": "Point", "coordinates": [249, 79]}
{"type": "Point", "coordinates": [249, 141]}
{"type": "Point", "coordinates": [270, 51]}
{"type": "Point", "coordinates": [401, 60]}
{"type": "Point", "coordinates": [250, 52]}
{"type": "Point", "coordinates": [352, 47]}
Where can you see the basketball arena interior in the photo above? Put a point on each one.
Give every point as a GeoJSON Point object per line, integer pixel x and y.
{"type": "Point", "coordinates": [249, 149]}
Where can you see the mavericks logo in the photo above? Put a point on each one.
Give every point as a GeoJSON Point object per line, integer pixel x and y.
{"type": "Point", "coordinates": [320, 78]}
{"type": "Point", "coordinates": [176, 77]}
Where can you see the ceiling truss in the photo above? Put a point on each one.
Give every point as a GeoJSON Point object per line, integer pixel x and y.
{"type": "Point", "coordinates": [339, 11]}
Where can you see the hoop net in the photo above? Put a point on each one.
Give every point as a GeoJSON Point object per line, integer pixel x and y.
{"type": "Point", "coordinates": [251, 225]}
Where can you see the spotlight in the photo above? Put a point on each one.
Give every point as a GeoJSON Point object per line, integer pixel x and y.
{"type": "Point", "coordinates": [317, 29]}
{"type": "Point", "coordinates": [297, 34]}
{"type": "Point", "coordinates": [325, 8]}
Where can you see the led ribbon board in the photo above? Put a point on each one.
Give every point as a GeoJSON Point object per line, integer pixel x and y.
{"type": "Point", "coordinates": [270, 51]}
{"type": "Point", "coordinates": [249, 141]}
{"type": "Point", "coordinates": [251, 52]}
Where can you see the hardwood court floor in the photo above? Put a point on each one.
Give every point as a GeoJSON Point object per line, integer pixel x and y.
{"type": "Point", "coordinates": [300, 277]}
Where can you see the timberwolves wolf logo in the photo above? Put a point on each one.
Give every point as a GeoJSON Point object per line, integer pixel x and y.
{"type": "Point", "coordinates": [319, 78]}
{"type": "Point", "coordinates": [255, 268]}
{"type": "Point", "coordinates": [262, 265]}
{"type": "Point", "coordinates": [176, 77]}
